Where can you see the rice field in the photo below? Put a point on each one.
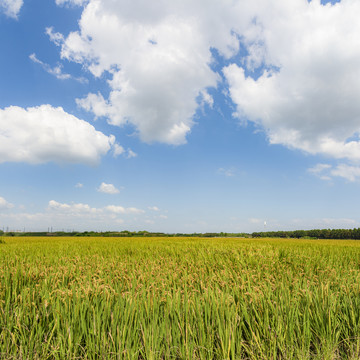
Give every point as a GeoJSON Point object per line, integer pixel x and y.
{"type": "Point", "coordinates": [179, 298]}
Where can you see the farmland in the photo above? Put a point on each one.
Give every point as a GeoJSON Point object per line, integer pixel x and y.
{"type": "Point", "coordinates": [179, 298]}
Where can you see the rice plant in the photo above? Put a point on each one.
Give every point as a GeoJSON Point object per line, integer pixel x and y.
{"type": "Point", "coordinates": [179, 298]}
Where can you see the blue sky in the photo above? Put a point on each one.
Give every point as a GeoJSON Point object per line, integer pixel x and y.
{"type": "Point", "coordinates": [179, 116]}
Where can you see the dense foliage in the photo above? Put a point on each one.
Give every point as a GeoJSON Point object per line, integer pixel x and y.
{"type": "Point", "coordinates": [179, 298]}
{"type": "Point", "coordinates": [315, 234]}
{"type": "Point", "coordinates": [295, 234]}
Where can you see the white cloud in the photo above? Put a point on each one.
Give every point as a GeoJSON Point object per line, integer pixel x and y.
{"type": "Point", "coordinates": [121, 210]}
{"type": "Point", "coordinates": [345, 171]}
{"type": "Point", "coordinates": [158, 56]}
{"type": "Point", "coordinates": [75, 209]}
{"type": "Point", "coordinates": [115, 209]}
{"type": "Point", "coordinates": [207, 98]}
{"type": "Point", "coordinates": [348, 172]}
{"type": "Point", "coordinates": [119, 150]}
{"type": "Point", "coordinates": [5, 204]}
{"type": "Point", "coordinates": [11, 8]}
{"type": "Point", "coordinates": [83, 209]}
{"type": "Point", "coordinates": [56, 71]}
{"type": "Point", "coordinates": [131, 154]}
{"type": "Point", "coordinates": [307, 98]}
{"type": "Point", "coordinates": [44, 133]}
{"type": "Point", "coordinates": [321, 170]}
{"type": "Point", "coordinates": [108, 189]}
{"type": "Point", "coordinates": [79, 185]}
{"type": "Point", "coordinates": [71, 216]}
{"type": "Point", "coordinates": [56, 38]}
{"type": "Point", "coordinates": [153, 208]}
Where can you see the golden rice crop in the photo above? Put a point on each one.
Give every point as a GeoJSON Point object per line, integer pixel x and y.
{"type": "Point", "coordinates": [179, 298]}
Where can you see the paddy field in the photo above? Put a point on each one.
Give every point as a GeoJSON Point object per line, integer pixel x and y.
{"type": "Point", "coordinates": [179, 298]}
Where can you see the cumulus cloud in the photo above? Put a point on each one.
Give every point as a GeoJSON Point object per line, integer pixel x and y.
{"type": "Point", "coordinates": [306, 97]}
{"type": "Point", "coordinates": [297, 80]}
{"type": "Point", "coordinates": [11, 8]}
{"type": "Point", "coordinates": [5, 204]}
{"type": "Point", "coordinates": [158, 55]}
{"type": "Point", "coordinates": [42, 134]}
{"type": "Point", "coordinates": [108, 189]}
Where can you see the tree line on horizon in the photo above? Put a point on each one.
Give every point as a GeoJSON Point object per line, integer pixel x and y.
{"type": "Point", "coordinates": [295, 234]}
{"type": "Point", "coordinates": [312, 234]}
